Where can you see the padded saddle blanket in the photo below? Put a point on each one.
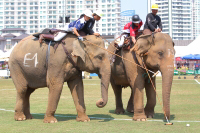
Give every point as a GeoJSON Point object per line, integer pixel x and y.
{"type": "Point", "coordinates": [45, 31]}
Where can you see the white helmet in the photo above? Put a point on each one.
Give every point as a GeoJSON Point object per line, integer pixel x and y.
{"type": "Point", "coordinates": [126, 31]}
{"type": "Point", "coordinates": [88, 13]}
{"type": "Point", "coordinates": [99, 13]}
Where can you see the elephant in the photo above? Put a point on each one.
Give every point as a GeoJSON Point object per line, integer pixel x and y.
{"type": "Point", "coordinates": [30, 70]}
{"type": "Point", "coordinates": [156, 52]}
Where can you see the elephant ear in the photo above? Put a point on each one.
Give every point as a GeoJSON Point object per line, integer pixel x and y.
{"type": "Point", "coordinates": [143, 44]}
{"type": "Point", "coordinates": [78, 49]}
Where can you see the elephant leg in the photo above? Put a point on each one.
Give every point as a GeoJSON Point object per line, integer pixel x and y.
{"type": "Point", "coordinates": [55, 90]}
{"type": "Point", "coordinates": [77, 91]}
{"type": "Point", "coordinates": [118, 97]}
{"type": "Point", "coordinates": [151, 99]}
{"type": "Point", "coordinates": [130, 106]}
{"type": "Point", "coordinates": [27, 103]}
{"type": "Point", "coordinates": [138, 91]}
{"type": "Point", "coordinates": [21, 88]}
{"type": "Point", "coordinates": [19, 108]}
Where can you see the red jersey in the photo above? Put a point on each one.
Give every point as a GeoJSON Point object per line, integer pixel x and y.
{"type": "Point", "coordinates": [133, 31]}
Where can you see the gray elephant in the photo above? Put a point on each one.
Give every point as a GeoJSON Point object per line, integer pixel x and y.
{"type": "Point", "coordinates": [157, 52]}
{"type": "Point", "coordinates": [30, 70]}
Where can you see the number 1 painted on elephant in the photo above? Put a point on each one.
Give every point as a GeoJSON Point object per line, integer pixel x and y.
{"type": "Point", "coordinates": [170, 52]}
{"type": "Point", "coordinates": [25, 59]}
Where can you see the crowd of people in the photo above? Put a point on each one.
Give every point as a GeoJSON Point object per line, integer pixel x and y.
{"type": "Point", "coordinates": [85, 24]}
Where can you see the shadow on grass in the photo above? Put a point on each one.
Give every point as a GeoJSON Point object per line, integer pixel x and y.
{"type": "Point", "coordinates": [158, 116]}
{"type": "Point", "coordinates": [126, 113]}
{"type": "Point", "coordinates": [67, 117]}
{"type": "Point", "coordinates": [161, 116]}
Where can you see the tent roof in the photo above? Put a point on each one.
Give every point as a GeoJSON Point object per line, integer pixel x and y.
{"type": "Point", "coordinates": [9, 35]}
{"type": "Point", "coordinates": [180, 51]}
{"type": "Point", "coordinates": [22, 36]}
{"type": "Point", "coordinates": [194, 47]}
{"type": "Point", "coordinates": [192, 57]}
{"type": "Point", "coordinates": [12, 29]}
{"type": "Point", "coordinates": [1, 52]}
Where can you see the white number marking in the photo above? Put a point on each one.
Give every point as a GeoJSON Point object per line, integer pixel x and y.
{"type": "Point", "coordinates": [26, 58]}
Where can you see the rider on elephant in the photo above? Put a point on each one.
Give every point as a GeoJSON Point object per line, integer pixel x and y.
{"type": "Point", "coordinates": [131, 29]}
{"type": "Point", "coordinates": [152, 21]}
{"type": "Point", "coordinates": [72, 27]}
{"type": "Point", "coordinates": [87, 29]}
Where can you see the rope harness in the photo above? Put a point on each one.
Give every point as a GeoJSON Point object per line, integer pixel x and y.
{"type": "Point", "coordinates": [69, 56]}
{"type": "Point", "coordinates": [147, 70]}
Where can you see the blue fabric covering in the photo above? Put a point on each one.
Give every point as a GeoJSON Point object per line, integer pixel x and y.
{"type": "Point", "coordinates": [93, 74]}
{"type": "Point", "coordinates": [191, 57]}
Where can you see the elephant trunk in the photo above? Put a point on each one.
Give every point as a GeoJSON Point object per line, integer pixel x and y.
{"type": "Point", "coordinates": [167, 78]}
{"type": "Point", "coordinates": [105, 72]}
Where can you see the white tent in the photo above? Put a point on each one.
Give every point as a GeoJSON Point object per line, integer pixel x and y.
{"type": "Point", "coordinates": [6, 55]}
{"type": "Point", "coordinates": [192, 48]}
{"type": "Point", "coordinates": [1, 52]}
{"type": "Point", "coordinates": [180, 51]}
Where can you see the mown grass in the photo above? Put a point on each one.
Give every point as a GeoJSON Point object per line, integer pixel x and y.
{"type": "Point", "coordinates": [185, 108]}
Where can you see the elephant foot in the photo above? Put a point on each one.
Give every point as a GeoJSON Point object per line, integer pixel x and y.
{"type": "Point", "coordinates": [19, 117]}
{"type": "Point", "coordinates": [141, 117]}
{"type": "Point", "coordinates": [83, 118]}
{"type": "Point", "coordinates": [149, 114]}
{"type": "Point", "coordinates": [130, 109]}
{"type": "Point", "coordinates": [50, 119]}
{"type": "Point", "coordinates": [29, 116]}
{"type": "Point", "coordinates": [119, 111]}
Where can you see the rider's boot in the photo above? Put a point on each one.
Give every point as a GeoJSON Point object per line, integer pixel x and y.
{"type": "Point", "coordinates": [116, 51]}
{"type": "Point", "coordinates": [46, 36]}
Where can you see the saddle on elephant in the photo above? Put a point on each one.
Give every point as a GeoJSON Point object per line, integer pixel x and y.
{"type": "Point", "coordinates": [48, 35]}
{"type": "Point", "coordinates": [127, 43]}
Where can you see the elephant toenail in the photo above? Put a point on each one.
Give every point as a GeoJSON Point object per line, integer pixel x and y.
{"type": "Point", "coordinates": [143, 119]}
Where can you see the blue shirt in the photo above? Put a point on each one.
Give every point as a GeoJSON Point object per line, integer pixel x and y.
{"type": "Point", "coordinates": [78, 24]}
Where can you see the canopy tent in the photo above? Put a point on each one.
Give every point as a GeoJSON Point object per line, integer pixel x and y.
{"type": "Point", "coordinates": [180, 51]}
{"type": "Point", "coordinates": [192, 48]}
{"type": "Point", "coordinates": [191, 57]}
{"type": "Point", "coordinates": [1, 52]}
{"type": "Point", "coordinates": [6, 55]}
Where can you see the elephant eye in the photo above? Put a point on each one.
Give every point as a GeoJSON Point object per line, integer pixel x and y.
{"type": "Point", "coordinates": [160, 53]}
{"type": "Point", "coordinates": [99, 57]}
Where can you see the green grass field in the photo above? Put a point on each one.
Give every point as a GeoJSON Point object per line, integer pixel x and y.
{"type": "Point", "coordinates": [185, 109]}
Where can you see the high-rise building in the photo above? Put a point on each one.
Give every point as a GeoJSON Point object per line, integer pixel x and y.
{"type": "Point", "coordinates": [176, 17]}
{"type": "Point", "coordinates": [196, 18]}
{"type": "Point", "coordinates": [126, 16]}
{"type": "Point", "coordinates": [34, 15]}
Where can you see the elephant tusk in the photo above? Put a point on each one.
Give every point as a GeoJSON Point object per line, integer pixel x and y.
{"type": "Point", "coordinates": [73, 55]}
{"type": "Point", "coordinates": [155, 74]}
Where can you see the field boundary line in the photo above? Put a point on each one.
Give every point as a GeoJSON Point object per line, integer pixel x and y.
{"type": "Point", "coordinates": [99, 118]}
{"type": "Point", "coordinates": [197, 81]}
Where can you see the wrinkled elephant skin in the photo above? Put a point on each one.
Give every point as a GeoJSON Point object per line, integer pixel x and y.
{"type": "Point", "coordinates": [30, 71]}
{"type": "Point", "coordinates": [158, 51]}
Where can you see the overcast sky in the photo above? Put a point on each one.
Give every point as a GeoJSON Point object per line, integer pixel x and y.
{"type": "Point", "coordinates": [140, 7]}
